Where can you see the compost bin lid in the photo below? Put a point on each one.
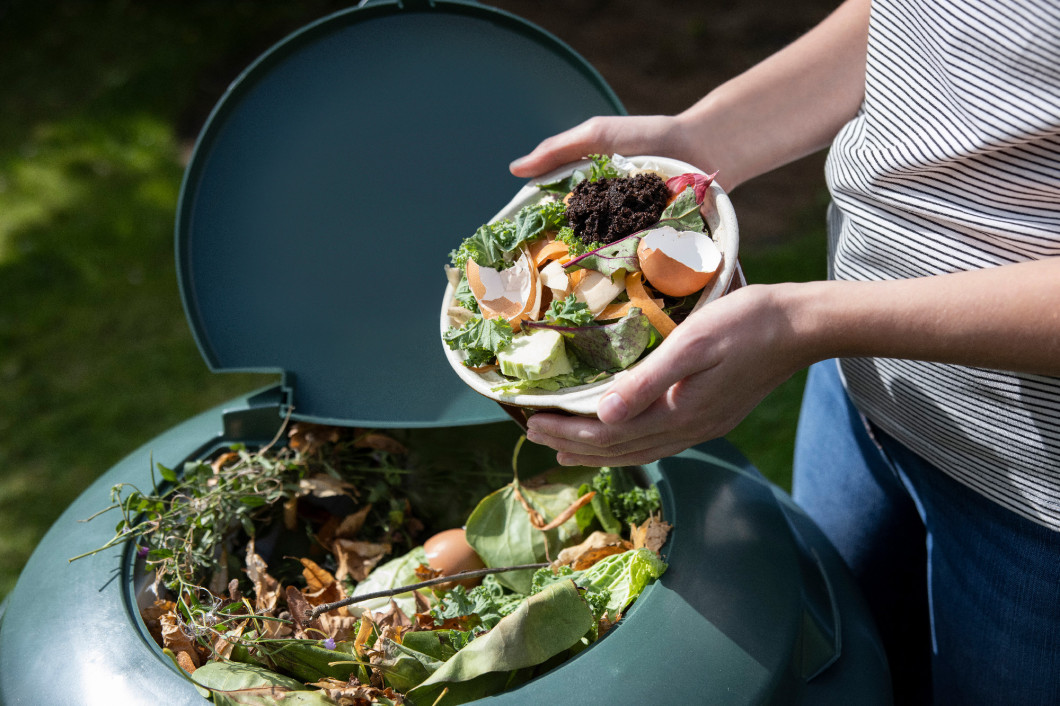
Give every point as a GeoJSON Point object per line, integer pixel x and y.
{"type": "Point", "coordinates": [333, 179]}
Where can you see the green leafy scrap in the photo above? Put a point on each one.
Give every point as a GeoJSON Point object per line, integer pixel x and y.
{"type": "Point", "coordinates": [543, 626]}
{"type": "Point", "coordinates": [683, 213]}
{"type": "Point", "coordinates": [492, 243]}
{"type": "Point", "coordinates": [480, 339]}
{"type": "Point", "coordinates": [625, 501]}
{"type": "Point", "coordinates": [575, 245]}
{"type": "Point", "coordinates": [569, 312]}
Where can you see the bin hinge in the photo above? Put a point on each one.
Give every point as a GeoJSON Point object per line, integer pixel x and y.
{"type": "Point", "coordinates": [260, 421]}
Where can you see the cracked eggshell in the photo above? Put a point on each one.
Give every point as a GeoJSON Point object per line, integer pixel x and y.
{"type": "Point", "coordinates": [513, 293]}
{"type": "Point", "coordinates": [721, 219]}
{"type": "Point", "coordinates": [678, 263]}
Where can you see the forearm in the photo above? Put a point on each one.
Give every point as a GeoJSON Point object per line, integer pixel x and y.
{"type": "Point", "coordinates": [1005, 318]}
{"type": "Point", "coordinates": [788, 106]}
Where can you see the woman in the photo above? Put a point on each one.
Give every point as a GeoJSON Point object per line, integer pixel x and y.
{"type": "Point", "coordinates": [929, 441]}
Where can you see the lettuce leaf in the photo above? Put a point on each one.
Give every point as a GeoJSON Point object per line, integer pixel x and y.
{"type": "Point", "coordinates": [624, 576]}
{"type": "Point", "coordinates": [543, 626]}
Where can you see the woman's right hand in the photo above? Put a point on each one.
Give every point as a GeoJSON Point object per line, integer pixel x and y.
{"type": "Point", "coordinates": [661, 135]}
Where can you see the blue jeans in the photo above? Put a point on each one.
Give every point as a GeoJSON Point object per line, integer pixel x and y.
{"type": "Point", "coordinates": [966, 593]}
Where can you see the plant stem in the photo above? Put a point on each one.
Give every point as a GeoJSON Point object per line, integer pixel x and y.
{"type": "Point", "coordinates": [326, 607]}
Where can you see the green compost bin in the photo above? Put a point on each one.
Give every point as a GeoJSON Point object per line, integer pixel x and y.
{"type": "Point", "coordinates": [338, 170]}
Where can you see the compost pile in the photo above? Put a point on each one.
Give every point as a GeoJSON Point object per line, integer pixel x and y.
{"type": "Point", "coordinates": [259, 566]}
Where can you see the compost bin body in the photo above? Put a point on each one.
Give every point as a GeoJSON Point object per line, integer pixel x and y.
{"type": "Point", "coordinates": [287, 191]}
{"type": "Point", "coordinates": [755, 607]}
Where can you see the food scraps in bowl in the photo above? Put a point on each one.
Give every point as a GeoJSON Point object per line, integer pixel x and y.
{"type": "Point", "coordinates": [393, 567]}
{"type": "Point", "coordinates": [582, 275]}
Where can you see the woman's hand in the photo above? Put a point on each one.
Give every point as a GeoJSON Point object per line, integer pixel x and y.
{"type": "Point", "coordinates": [661, 135]}
{"type": "Point", "coordinates": [699, 384]}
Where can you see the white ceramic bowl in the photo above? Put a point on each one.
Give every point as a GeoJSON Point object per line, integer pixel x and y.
{"type": "Point", "coordinates": [720, 218]}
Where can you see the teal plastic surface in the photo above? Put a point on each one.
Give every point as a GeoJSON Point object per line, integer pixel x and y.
{"type": "Point", "coordinates": [333, 179]}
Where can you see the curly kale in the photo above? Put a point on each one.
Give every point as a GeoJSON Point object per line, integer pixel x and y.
{"type": "Point", "coordinates": [628, 503]}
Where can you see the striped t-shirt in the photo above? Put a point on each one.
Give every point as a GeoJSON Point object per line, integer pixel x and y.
{"type": "Point", "coordinates": [953, 163]}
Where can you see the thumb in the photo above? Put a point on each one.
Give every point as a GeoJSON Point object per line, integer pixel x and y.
{"type": "Point", "coordinates": [635, 391]}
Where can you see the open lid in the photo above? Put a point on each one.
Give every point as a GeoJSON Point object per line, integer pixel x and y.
{"type": "Point", "coordinates": [333, 179]}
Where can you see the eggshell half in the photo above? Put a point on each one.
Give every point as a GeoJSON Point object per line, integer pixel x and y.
{"type": "Point", "coordinates": [513, 293]}
{"type": "Point", "coordinates": [678, 263]}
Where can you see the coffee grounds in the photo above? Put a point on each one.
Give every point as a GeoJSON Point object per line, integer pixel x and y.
{"type": "Point", "coordinates": [607, 210]}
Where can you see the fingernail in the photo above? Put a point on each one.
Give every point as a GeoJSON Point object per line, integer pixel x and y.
{"type": "Point", "coordinates": [516, 163]}
{"type": "Point", "coordinates": [612, 409]}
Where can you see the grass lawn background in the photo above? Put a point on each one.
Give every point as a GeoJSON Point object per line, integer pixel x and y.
{"type": "Point", "coordinates": [97, 103]}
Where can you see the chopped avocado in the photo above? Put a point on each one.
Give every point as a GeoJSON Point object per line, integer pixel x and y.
{"type": "Point", "coordinates": [535, 355]}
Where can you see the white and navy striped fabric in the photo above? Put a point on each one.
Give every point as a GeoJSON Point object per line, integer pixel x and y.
{"type": "Point", "coordinates": [953, 163]}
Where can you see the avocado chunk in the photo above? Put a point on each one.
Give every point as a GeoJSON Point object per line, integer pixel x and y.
{"type": "Point", "coordinates": [535, 355]}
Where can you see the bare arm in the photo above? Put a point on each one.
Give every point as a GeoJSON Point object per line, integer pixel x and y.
{"type": "Point", "coordinates": [784, 108]}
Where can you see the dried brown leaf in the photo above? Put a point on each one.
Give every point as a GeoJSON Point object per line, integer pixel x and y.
{"type": "Point", "coordinates": [357, 559]}
{"type": "Point", "coordinates": [152, 614]}
{"type": "Point", "coordinates": [354, 693]}
{"type": "Point", "coordinates": [391, 616]}
{"type": "Point", "coordinates": [352, 524]}
{"type": "Point", "coordinates": [266, 588]}
{"type": "Point", "coordinates": [307, 438]}
{"type": "Point", "coordinates": [338, 627]}
{"type": "Point", "coordinates": [595, 547]}
{"type": "Point", "coordinates": [223, 460]}
{"type": "Point", "coordinates": [651, 534]}
{"type": "Point", "coordinates": [363, 634]}
{"type": "Point", "coordinates": [304, 629]}
{"type": "Point", "coordinates": [380, 442]}
{"type": "Point", "coordinates": [225, 644]}
{"type": "Point", "coordinates": [316, 577]}
{"type": "Point", "coordinates": [174, 638]}
{"type": "Point", "coordinates": [186, 662]}
{"type": "Point", "coordinates": [324, 486]}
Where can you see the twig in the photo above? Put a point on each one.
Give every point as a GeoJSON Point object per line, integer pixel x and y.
{"type": "Point", "coordinates": [313, 614]}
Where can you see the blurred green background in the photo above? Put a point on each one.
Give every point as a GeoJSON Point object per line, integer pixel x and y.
{"type": "Point", "coordinates": [99, 105]}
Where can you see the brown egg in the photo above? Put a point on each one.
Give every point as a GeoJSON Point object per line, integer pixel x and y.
{"type": "Point", "coordinates": [678, 263]}
{"type": "Point", "coordinates": [449, 552]}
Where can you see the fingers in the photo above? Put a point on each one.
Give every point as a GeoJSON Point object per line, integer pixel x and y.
{"type": "Point", "coordinates": [636, 390]}
{"type": "Point", "coordinates": [589, 442]}
{"type": "Point", "coordinates": [568, 146]}
{"type": "Point", "coordinates": [642, 134]}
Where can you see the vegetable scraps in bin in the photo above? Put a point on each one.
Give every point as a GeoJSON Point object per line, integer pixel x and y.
{"type": "Point", "coordinates": [344, 566]}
